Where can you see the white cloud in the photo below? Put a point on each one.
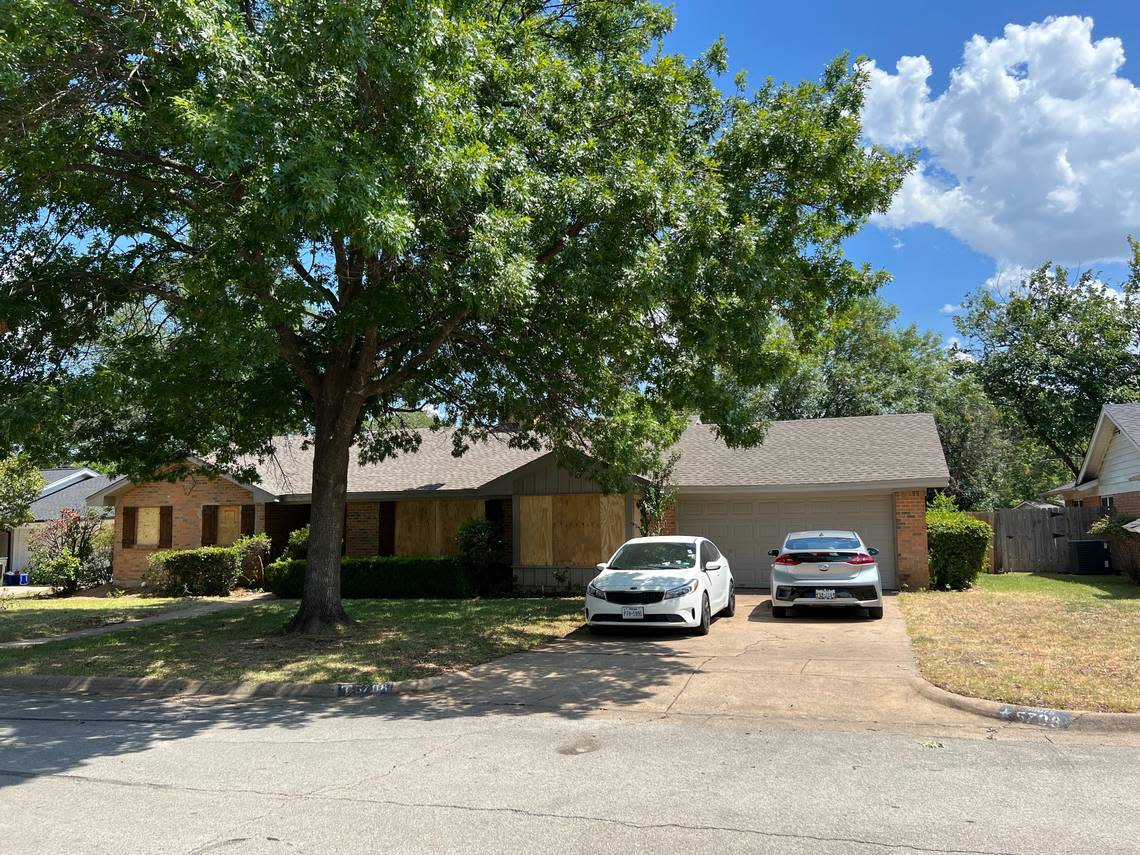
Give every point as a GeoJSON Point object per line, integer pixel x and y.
{"type": "Point", "coordinates": [1031, 153]}
{"type": "Point", "coordinates": [954, 345]}
{"type": "Point", "coordinates": [950, 309]}
{"type": "Point", "coordinates": [1007, 278]}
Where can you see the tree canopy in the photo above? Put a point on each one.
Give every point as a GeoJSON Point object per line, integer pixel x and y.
{"type": "Point", "coordinates": [224, 221]}
{"type": "Point", "coordinates": [20, 484]}
{"type": "Point", "coordinates": [1053, 351]}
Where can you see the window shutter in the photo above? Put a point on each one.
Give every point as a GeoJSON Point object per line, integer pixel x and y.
{"type": "Point", "coordinates": [165, 526]}
{"type": "Point", "coordinates": [247, 520]}
{"type": "Point", "coordinates": [130, 526]}
{"type": "Point", "coordinates": [209, 525]}
{"type": "Point", "coordinates": [387, 544]}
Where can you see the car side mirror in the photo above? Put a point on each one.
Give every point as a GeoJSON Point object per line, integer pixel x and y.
{"type": "Point", "coordinates": [774, 552]}
{"type": "Point", "coordinates": [601, 567]}
{"type": "Point", "coordinates": [712, 565]}
{"type": "Point", "coordinates": [873, 551]}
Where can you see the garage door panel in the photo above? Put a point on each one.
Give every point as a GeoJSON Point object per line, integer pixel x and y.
{"type": "Point", "coordinates": [745, 529]}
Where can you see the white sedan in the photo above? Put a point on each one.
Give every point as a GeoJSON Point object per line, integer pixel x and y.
{"type": "Point", "coordinates": [826, 568]}
{"type": "Point", "coordinates": [663, 582]}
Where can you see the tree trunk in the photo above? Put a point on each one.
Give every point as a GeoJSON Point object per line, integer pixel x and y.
{"type": "Point", "coordinates": [321, 607]}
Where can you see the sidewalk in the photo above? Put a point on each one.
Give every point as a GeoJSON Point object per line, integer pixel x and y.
{"type": "Point", "coordinates": [23, 592]}
{"type": "Point", "coordinates": [130, 623]}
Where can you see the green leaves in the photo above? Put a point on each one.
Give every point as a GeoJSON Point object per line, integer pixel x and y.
{"type": "Point", "coordinates": [1053, 352]}
{"type": "Point", "coordinates": [521, 214]}
{"type": "Point", "coordinates": [20, 484]}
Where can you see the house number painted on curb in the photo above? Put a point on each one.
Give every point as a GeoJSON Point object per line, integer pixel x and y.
{"type": "Point", "coordinates": [1043, 718]}
{"type": "Point", "coordinates": [346, 689]}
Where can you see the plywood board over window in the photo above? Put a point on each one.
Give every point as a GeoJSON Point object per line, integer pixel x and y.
{"type": "Point", "coordinates": [229, 524]}
{"type": "Point", "coordinates": [432, 527]}
{"type": "Point", "coordinates": [535, 545]}
{"type": "Point", "coordinates": [577, 532]}
{"type": "Point", "coordinates": [147, 530]}
{"type": "Point", "coordinates": [613, 525]}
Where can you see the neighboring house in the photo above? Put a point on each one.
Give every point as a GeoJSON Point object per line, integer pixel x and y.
{"type": "Point", "coordinates": [870, 474]}
{"type": "Point", "coordinates": [66, 487]}
{"type": "Point", "coordinates": [1110, 473]}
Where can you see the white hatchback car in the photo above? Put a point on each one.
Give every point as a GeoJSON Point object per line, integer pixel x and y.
{"type": "Point", "coordinates": [664, 582]}
{"type": "Point", "coordinates": [826, 568]}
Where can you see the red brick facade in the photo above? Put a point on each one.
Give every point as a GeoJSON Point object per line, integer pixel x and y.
{"type": "Point", "coordinates": [362, 529]}
{"type": "Point", "coordinates": [669, 520]}
{"type": "Point", "coordinates": [186, 497]}
{"type": "Point", "coordinates": [1127, 504]}
{"type": "Point", "coordinates": [911, 550]}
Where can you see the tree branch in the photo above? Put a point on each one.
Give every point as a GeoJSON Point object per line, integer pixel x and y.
{"type": "Point", "coordinates": [314, 282]}
{"type": "Point", "coordinates": [562, 242]}
{"type": "Point", "coordinates": [393, 380]}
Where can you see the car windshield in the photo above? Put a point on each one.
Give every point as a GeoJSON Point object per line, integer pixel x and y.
{"type": "Point", "coordinates": [655, 556]}
{"type": "Point", "coordinates": [795, 544]}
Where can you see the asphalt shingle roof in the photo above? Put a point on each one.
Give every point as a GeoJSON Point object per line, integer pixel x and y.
{"type": "Point", "coordinates": [817, 452]}
{"type": "Point", "coordinates": [1127, 418]}
{"type": "Point", "coordinates": [73, 496]}
{"type": "Point", "coordinates": [814, 452]}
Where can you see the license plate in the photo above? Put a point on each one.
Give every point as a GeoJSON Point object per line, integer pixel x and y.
{"type": "Point", "coordinates": [825, 593]}
{"type": "Point", "coordinates": [632, 612]}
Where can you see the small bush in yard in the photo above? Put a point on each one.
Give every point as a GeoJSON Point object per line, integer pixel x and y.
{"type": "Point", "coordinates": [484, 558]}
{"type": "Point", "coordinates": [59, 570]}
{"type": "Point", "coordinates": [381, 577]}
{"type": "Point", "coordinates": [1124, 544]}
{"type": "Point", "coordinates": [210, 571]}
{"type": "Point", "coordinates": [253, 555]}
{"type": "Point", "coordinates": [297, 547]}
{"type": "Point", "coordinates": [958, 543]}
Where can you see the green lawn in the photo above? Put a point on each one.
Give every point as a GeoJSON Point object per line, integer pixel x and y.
{"type": "Point", "coordinates": [392, 640]}
{"type": "Point", "coordinates": [1068, 642]}
{"type": "Point", "coordinates": [28, 619]}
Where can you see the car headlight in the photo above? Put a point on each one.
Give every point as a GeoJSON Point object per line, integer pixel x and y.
{"type": "Point", "coordinates": [680, 592]}
{"type": "Point", "coordinates": [595, 591]}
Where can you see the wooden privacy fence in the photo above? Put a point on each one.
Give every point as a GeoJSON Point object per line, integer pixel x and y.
{"type": "Point", "coordinates": [1035, 539]}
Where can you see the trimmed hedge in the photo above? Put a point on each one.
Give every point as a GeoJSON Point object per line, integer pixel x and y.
{"type": "Point", "coordinates": [958, 543]}
{"type": "Point", "coordinates": [210, 571]}
{"type": "Point", "coordinates": [381, 577]}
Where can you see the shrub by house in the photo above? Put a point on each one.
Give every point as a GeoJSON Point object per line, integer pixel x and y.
{"type": "Point", "coordinates": [957, 543]}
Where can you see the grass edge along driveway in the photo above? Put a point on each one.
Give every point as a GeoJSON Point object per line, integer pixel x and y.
{"type": "Point", "coordinates": [392, 640]}
{"type": "Point", "coordinates": [25, 619]}
{"type": "Point", "coordinates": [1045, 640]}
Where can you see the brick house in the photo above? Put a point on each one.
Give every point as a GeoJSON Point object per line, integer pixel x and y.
{"type": "Point", "coordinates": [869, 474]}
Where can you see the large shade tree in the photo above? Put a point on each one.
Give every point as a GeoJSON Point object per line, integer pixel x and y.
{"type": "Point", "coordinates": [1055, 350]}
{"type": "Point", "coordinates": [227, 220]}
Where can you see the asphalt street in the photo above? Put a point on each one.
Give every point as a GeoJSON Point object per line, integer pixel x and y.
{"type": "Point", "coordinates": [101, 775]}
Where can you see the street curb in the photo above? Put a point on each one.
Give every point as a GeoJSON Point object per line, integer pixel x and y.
{"type": "Point", "coordinates": [218, 689]}
{"type": "Point", "coordinates": [1077, 720]}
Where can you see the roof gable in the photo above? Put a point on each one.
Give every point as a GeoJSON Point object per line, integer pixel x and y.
{"type": "Point", "coordinates": [1124, 418]}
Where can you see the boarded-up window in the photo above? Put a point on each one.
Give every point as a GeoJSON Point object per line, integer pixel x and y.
{"type": "Point", "coordinates": [229, 524]}
{"type": "Point", "coordinates": [147, 527]}
{"type": "Point", "coordinates": [431, 527]}
{"type": "Point", "coordinates": [535, 545]}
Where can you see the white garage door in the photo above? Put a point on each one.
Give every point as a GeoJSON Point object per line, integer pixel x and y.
{"type": "Point", "coordinates": [745, 528]}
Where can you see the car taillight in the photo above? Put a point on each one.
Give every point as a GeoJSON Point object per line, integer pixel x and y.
{"type": "Point", "coordinates": [860, 558]}
{"type": "Point", "coordinates": [787, 561]}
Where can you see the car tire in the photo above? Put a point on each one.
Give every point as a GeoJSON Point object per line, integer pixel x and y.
{"type": "Point", "coordinates": [729, 609]}
{"type": "Point", "coordinates": [706, 617]}
{"type": "Point", "coordinates": [875, 612]}
{"type": "Point", "coordinates": [779, 611]}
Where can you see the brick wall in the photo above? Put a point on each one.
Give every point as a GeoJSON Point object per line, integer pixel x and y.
{"type": "Point", "coordinates": [362, 529]}
{"type": "Point", "coordinates": [186, 497]}
{"type": "Point", "coordinates": [910, 539]}
{"type": "Point", "coordinates": [669, 520]}
{"type": "Point", "coordinates": [1126, 503]}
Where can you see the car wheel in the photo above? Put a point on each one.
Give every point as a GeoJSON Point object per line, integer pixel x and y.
{"type": "Point", "coordinates": [779, 611]}
{"type": "Point", "coordinates": [875, 612]}
{"type": "Point", "coordinates": [730, 608]}
{"type": "Point", "coordinates": [706, 617]}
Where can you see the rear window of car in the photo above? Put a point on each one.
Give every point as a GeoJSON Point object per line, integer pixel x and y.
{"type": "Point", "coordinates": [655, 556]}
{"type": "Point", "coordinates": [796, 544]}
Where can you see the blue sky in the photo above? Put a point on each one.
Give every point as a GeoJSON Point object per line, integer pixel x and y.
{"type": "Point", "coordinates": [1066, 183]}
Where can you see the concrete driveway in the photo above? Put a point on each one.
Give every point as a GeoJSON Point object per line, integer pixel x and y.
{"type": "Point", "coordinates": [821, 669]}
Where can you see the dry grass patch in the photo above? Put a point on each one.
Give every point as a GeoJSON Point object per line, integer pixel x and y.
{"type": "Point", "coordinates": [1067, 642]}
{"type": "Point", "coordinates": [392, 640]}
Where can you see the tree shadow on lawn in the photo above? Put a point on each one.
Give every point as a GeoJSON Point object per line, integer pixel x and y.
{"type": "Point", "coordinates": [42, 734]}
